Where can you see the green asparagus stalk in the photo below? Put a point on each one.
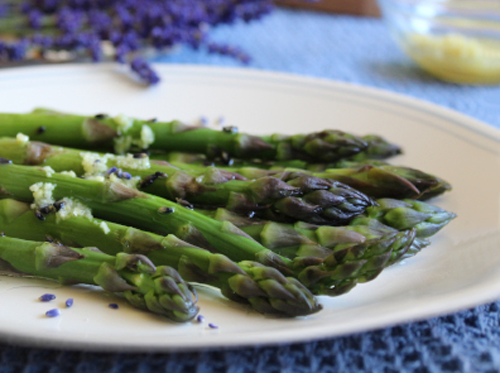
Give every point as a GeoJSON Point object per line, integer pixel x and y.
{"type": "Point", "coordinates": [247, 282]}
{"type": "Point", "coordinates": [263, 288]}
{"type": "Point", "coordinates": [387, 181]}
{"type": "Point", "coordinates": [302, 239]}
{"type": "Point", "coordinates": [157, 289]}
{"type": "Point", "coordinates": [404, 214]}
{"type": "Point", "coordinates": [344, 246]}
{"type": "Point", "coordinates": [428, 185]}
{"type": "Point", "coordinates": [115, 202]}
{"type": "Point", "coordinates": [309, 240]}
{"type": "Point", "coordinates": [356, 263]}
{"type": "Point", "coordinates": [384, 181]}
{"type": "Point", "coordinates": [304, 198]}
{"type": "Point", "coordinates": [122, 132]}
{"type": "Point", "coordinates": [386, 216]}
{"type": "Point", "coordinates": [373, 178]}
{"type": "Point", "coordinates": [378, 148]}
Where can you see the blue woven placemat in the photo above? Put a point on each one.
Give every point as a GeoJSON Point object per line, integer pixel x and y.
{"type": "Point", "coordinates": [360, 51]}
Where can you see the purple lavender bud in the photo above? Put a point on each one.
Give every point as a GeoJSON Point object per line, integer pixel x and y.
{"type": "Point", "coordinates": [203, 120]}
{"type": "Point", "coordinates": [121, 52]}
{"type": "Point", "coordinates": [47, 297]}
{"type": "Point", "coordinates": [43, 41]}
{"type": "Point", "coordinates": [113, 306]}
{"type": "Point", "coordinates": [115, 37]}
{"type": "Point", "coordinates": [126, 18]}
{"type": "Point", "coordinates": [230, 51]}
{"type": "Point", "coordinates": [17, 51]}
{"type": "Point", "coordinates": [213, 326]}
{"type": "Point", "coordinates": [200, 319]}
{"type": "Point", "coordinates": [213, 48]}
{"type": "Point", "coordinates": [100, 21]}
{"type": "Point", "coordinates": [111, 170]}
{"type": "Point", "coordinates": [244, 58]}
{"type": "Point", "coordinates": [126, 176]}
{"type": "Point", "coordinates": [69, 20]}
{"type": "Point", "coordinates": [131, 40]}
{"type": "Point", "coordinates": [95, 51]}
{"type": "Point", "coordinates": [35, 19]}
{"type": "Point", "coordinates": [25, 7]}
{"type": "Point", "coordinates": [48, 6]}
{"type": "Point", "coordinates": [53, 313]}
{"type": "Point", "coordinates": [144, 71]}
{"type": "Point", "coordinates": [69, 302]}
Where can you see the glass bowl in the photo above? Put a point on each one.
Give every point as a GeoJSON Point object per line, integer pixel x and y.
{"type": "Point", "coordinates": [454, 40]}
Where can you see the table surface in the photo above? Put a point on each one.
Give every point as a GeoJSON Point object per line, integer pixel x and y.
{"type": "Point", "coordinates": [360, 51]}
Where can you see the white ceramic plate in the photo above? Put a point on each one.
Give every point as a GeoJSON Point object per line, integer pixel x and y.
{"type": "Point", "coordinates": [460, 269]}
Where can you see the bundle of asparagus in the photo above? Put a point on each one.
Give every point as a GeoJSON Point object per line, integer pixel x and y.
{"type": "Point", "coordinates": [261, 223]}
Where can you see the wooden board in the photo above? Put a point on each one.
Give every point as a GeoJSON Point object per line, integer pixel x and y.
{"type": "Point", "coordinates": [357, 7]}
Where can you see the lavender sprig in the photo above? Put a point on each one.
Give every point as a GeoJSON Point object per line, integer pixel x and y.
{"type": "Point", "coordinates": [81, 27]}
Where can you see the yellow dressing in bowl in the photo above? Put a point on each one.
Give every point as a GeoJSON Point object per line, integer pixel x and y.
{"type": "Point", "coordinates": [456, 58]}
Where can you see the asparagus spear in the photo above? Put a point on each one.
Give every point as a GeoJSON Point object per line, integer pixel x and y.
{"type": "Point", "coordinates": [428, 185]}
{"type": "Point", "coordinates": [387, 216]}
{"type": "Point", "coordinates": [382, 180]}
{"type": "Point", "coordinates": [118, 203]}
{"type": "Point", "coordinates": [303, 198]}
{"type": "Point", "coordinates": [157, 289]}
{"type": "Point", "coordinates": [263, 288]}
{"type": "Point", "coordinates": [302, 239]}
{"type": "Point", "coordinates": [378, 148]}
{"type": "Point", "coordinates": [247, 282]}
{"type": "Point", "coordinates": [403, 214]}
{"type": "Point", "coordinates": [345, 248]}
{"type": "Point", "coordinates": [309, 240]}
{"type": "Point", "coordinates": [373, 178]}
{"type": "Point", "coordinates": [103, 132]}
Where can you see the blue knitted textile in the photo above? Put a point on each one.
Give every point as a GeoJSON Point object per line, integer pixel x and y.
{"type": "Point", "coordinates": [350, 49]}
